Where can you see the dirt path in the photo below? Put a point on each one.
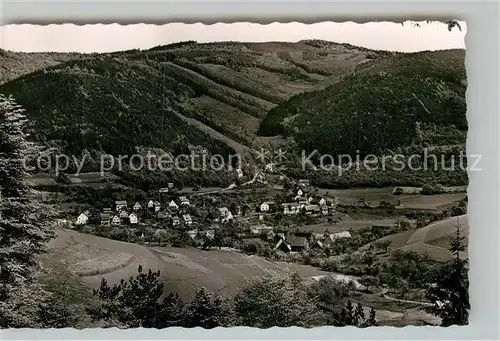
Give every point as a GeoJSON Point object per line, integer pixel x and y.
{"type": "Point", "coordinates": [408, 301]}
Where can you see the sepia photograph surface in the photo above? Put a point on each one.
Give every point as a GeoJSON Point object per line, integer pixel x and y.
{"type": "Point", "coordinates": [227, 175]}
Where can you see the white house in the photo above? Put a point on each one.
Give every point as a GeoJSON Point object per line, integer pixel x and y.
{"type": "Point", "coordinates": [187, 219]}
{"type": "Point", "coordinates": [269, 167]}
{"type": "Point", "coordinates": [264, 207]}
{"type": "Point", "coordinates": [123, 214]}
{"type": "Point", "coordinates": [170, 185]}
{"type": "Point", "coordinates": [120, 205]}
{"type": "Point", "coordinates": [192, 233]}
{"type": "Point", "coordinates": [137, 206]}
{"type": "Point", "coordinates": [175, 221]}
{"type": "Point", "coordinates": [224, 211]}
{"type": "Point", "coordinates": [157, 206]}
{"type": "Point", "coordinates": [322, 202]}
{"type": "Point", "coordinates": [163, 190]}
{"type": "Point", "coordinates": [239, 172]}
{"type": "Point", "coordinates": [151, 204]}
{"type": "Point", "coordinates": [82, 219]}
{"type": "Point", "coordinates": [184, 201]}
{"type": "Point", "coordinates": [172, 204]}
{"type": "Point", "coordinates": [299, 193]}
{"type": "Point", "coordinates": [133, 218]}
{"type": "Point", "coordinates": [115, 220]}
{"type": "Point", "coordinates": [343, 234]}
{"type": "Point", "coordinates": [225, 214]}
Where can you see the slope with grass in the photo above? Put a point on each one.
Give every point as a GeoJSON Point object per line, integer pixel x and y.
{"type": "Point", "coordinates": [433, 239]}
{"type": "Point", "coordinates": [88, 258]}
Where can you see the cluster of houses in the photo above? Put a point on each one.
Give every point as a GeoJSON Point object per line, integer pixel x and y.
{"type": "Point", "coordinates": [301, 202]}
{"type": "Point", "coordinates": [125, 215]}
{"type": "Point", "coordinates": [176, 214]}
{"type": "Point", "coordinates": [286, 242]}
{"type": "Point", "coordinates": [303, 241]}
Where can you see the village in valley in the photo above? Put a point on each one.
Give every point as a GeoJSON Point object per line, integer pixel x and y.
{"type": "Point", "coordinates": [202, 217]}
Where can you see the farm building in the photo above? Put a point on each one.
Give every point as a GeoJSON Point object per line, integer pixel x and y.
{"type": "Point", "coordinates": [311, 209]}
{"type": "Point", "coordinates": [137, 206]}
{"type": "Point", "coordinates": [172, 204]}
{"type": "Point", "coordinates": [297, 243]}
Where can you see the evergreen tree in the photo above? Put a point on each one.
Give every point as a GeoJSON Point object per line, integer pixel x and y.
{"type": "Point", "coordinates": [55, 312]}
{"type": "Point", "coordinates": [276, 300]}
{"type": "Point", "coordinates": [208, 311]}
{"type": "Point", "coordinates": [351, 316]}
{"type": "Point", "coordinates": [450, 294]}
{"type": "Point", "coordinates": [132, 304]}
{"type": "Point", "coordinates": [172, 312]}
{"type": "Point", "coordinates": [25, 224]}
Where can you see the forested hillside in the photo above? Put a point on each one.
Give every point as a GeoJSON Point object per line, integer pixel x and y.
{"type": "Point", "coordinates": [408, 98]}
{"type": "Point", "coordinates": [211, 95]}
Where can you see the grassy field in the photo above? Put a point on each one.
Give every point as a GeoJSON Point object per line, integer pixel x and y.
{"type": "Point", "coordinates": [373, 196]}
{"type": "Point", "coordinates": [89, 258]}
{"type": "Point", "coordinates": [430, 202]}
{"type": "Point", "coordinates": [348, 224]}
{"type": "Point", "coordinates": [433, 239]}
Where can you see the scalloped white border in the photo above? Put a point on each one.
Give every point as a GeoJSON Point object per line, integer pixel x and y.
{"type": "Point", "coordinates": [482, 62]}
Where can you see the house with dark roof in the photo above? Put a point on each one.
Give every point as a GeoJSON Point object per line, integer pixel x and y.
{"type": "Point", "coordinates": [311, 209]}
{"type": "Point", "coordinates": [283, 245]}
{"type": "Point", "coordinates": [297, 242]}
{"type": "Point", "coordinates": [162, 215]}
{"type": "Point", "coordinates": [213, 216]}
{"type": "Point", "coordinates": [120, 205]}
